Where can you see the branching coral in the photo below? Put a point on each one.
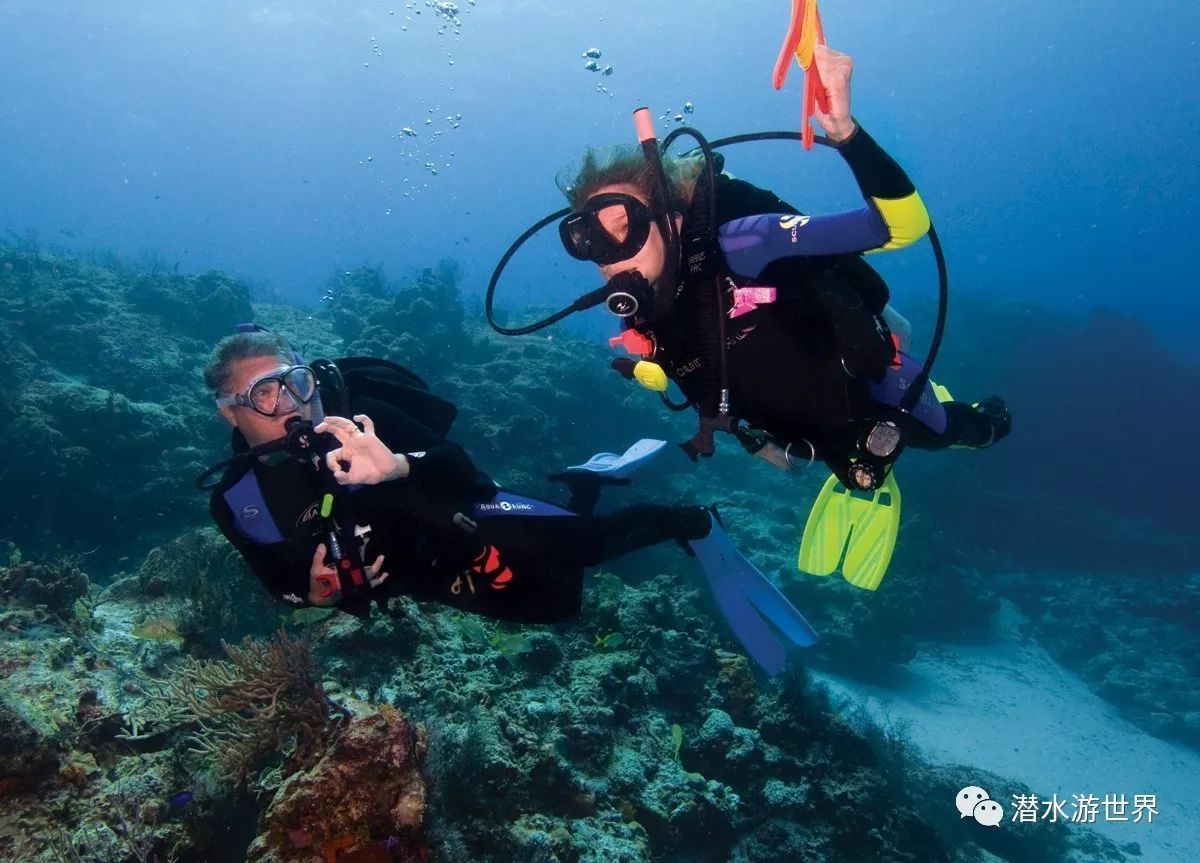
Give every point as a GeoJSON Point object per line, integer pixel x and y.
{"type": "Point", "coordinates": [265, 695]}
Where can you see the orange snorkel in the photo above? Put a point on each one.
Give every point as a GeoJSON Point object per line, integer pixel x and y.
{"type": "Point", "coordinates": [643, 124]}
{"type": "Point", "coordinates": [804, 34]}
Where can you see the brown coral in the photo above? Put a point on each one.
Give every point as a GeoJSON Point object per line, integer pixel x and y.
{"type": "Point", "coordinates": [736, 684]}
{"type": "Point", "coordinates": [364, 800]}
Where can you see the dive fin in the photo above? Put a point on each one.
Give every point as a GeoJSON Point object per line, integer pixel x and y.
{"type": "Point", "coordinates": [745, 596]}
{"type": "Point", "coordinates": [776, 607]}
{"type": "Point", "coordinates": [751, 630]}
{"type": "Point", "coordinates": [620, 466]}
{"type": "Point", "coordinates": [856, 533]}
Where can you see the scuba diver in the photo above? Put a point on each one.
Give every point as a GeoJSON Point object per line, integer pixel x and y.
{"type": "Point", "coordinates": [332, 511]}
{"type": "Point", "coordinates": [769, 320]}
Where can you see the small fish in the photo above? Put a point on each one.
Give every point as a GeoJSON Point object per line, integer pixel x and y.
{"type": "Point", "coordinates": [180, 799]}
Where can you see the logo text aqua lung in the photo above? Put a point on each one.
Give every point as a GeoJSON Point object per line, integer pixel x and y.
{"type": "Point", "coordinates": [507, 506]}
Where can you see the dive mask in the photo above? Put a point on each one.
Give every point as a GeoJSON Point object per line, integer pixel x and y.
{"type": "Point", "coordinates": [277, 392]}
{"type": "Point", "coordinates": [609, 228]}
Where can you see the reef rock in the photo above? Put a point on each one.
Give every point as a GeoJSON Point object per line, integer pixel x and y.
{"type": "Point", "coordinates": [363, 801]}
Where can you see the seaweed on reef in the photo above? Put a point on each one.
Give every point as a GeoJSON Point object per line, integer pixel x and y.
{"type": "Point", "coordinates": [263, 698]}
{"type": "Point", "coordinates": [96, 843]}
{"type": "Point", "coordinates": [121, 824]}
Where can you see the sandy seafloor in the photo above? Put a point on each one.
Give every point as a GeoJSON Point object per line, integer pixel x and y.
{"type": "Point", "coordinates": [1006, 707]}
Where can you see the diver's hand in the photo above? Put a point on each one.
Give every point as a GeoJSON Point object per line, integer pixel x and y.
{"type": "Point", "coordinates": [362, 458]}
{"type": "Point", "coordinates": [835, 70]}
{"type": "Point", "coordinates": [323, 584]}
{"type": "Point", "coordinates": [998, 417]}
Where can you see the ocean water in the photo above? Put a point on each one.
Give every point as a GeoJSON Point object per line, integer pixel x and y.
{"type": "Point", "coordinates": [323, 155]}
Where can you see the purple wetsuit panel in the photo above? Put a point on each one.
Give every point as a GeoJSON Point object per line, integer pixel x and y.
{"type": "Point", "coordinates": [752, 242]}
{"type": "Point", "coordinates": [895, 383]}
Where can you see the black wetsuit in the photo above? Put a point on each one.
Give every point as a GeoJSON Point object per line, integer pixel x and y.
{"type": "Point", "coordinates": [514, 567]}
{"type": "Point", "coordinates": [797, 366]}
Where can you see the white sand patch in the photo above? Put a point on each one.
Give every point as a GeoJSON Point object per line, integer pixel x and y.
{"type": "Point", "coordinates": [1008, 708]}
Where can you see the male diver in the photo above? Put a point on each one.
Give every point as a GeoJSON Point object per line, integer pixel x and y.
{"type": "Point", "coordinates": [771, 323]}
{"type": "Point", "coordinates": [329, 511]}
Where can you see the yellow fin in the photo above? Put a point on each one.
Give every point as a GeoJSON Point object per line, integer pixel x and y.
{"type": "Point", "coordinates": [851, 531]}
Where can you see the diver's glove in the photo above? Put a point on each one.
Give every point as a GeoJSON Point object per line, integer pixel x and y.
{"type": "Point", "coordinates": [995, 412]}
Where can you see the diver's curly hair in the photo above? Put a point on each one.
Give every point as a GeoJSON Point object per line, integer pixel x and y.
{"type": "Point", "coordinates": [242, 346]}
{"type": "Point", "coordinates": [627, 165]}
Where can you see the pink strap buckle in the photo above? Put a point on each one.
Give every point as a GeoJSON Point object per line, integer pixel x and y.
{"type": "Point", "coordinates": [749, 299]}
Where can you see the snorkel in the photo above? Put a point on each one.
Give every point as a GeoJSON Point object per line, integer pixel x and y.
{"type": "Point", "coordinates": [660, 199]}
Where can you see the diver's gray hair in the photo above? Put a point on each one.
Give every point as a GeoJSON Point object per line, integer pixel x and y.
{"type": "Point", "coordinates": [242, 346]}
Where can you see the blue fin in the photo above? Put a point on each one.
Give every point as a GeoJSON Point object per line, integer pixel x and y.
{"type": "Point", "coordinates": [620, 466]}
{"type": "Point", "coordinates": [751, 630]}
{"type": "Point", "coordinates": [742, 592]}
{"type": "Point", "coordinates": [777, 608]}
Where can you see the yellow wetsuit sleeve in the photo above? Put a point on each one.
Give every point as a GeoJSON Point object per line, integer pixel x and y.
{"type": "Point", "coordinates": [886, 187]}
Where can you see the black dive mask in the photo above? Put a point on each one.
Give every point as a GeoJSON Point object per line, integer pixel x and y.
{"type": "Point", "coordinates": [609, 228]}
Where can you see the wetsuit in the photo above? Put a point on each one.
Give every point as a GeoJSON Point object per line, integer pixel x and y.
{"type": "Point", "coordinates": [523, 560]}
{"type": "Point", "coordinates": [801, 367]}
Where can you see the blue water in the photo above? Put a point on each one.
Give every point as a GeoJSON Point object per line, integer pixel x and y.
{"type": "Point", "coordinates": [1053, 143]}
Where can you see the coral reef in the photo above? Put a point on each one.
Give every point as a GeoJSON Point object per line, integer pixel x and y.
{"type": "Point", "coordinates": [1126, 639]}
{"type": "Point", "coordinates": [52, 588]}
{"type": "Point", "coordinates": [221, 600]}
{"type": "Point", "coordinates": [639, 733]}
{"type": "Point", "coordinates": [244, 708]}
{"type": "Point", "coordinates": [363, 800]}
{"type": "Point", "coordinates": [93, 773]}
{"type": "Point", "coordinates": [105, 414]}
{"type": "Point", "coordinates": [571, 755]}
